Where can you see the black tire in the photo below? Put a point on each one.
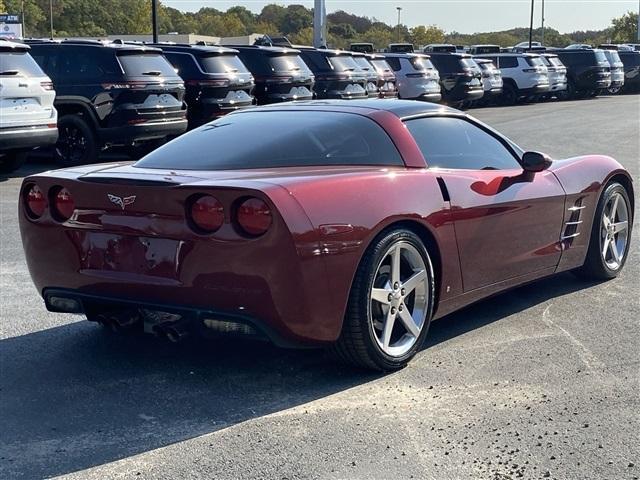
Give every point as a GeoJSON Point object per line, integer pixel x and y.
{"type": "Point", "coordinates": [77, 143]}
{"type": "Point", "coordinates": [11, 161]}
{"type": "Point", "coordinates": [509, 94]}
{"type": "Point", "coordinates": [595, 267]}
{"type": "Point", "coordinates": [357, 344]}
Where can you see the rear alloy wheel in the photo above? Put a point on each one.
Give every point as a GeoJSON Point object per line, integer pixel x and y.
{"type": "Point", "coordinates": [390, 304]}
{"type": "Point", "coordinates": [614, 90]}
{"type": "Point", "coordinates": [77, 144]}
{"type": "Point", "coordinates": [610, 235]}
{"type": "Point", "coordinates": [11, 161]}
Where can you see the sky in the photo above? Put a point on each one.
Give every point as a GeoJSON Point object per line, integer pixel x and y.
{"type": "Point", "coordinates": [464, 16]}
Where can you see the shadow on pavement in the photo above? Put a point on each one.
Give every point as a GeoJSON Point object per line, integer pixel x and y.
{"type": "Point", "coordinates": [75, 396]}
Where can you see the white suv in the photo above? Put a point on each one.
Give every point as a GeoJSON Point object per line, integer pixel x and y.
{"type": "Point", "coordinates": [28, 119]}
{"type": "Point", "coordinates": [416, 76]}
{"type": "Point", "coordinates": [491, 79]}
{"type": "Point", "coordinates": [557, 74]}
{"type": "Point", "coordinates": [524, 75]}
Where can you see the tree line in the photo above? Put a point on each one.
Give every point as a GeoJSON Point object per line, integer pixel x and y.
{"type": "Point", "coordinates": [96, 18]}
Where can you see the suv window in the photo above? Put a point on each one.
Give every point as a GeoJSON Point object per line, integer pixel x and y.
{"type": "Point", "coordinates": [535, 61]}
{"type": "Point", "coordinates": [145, 64]}
{"type": "Point", "coordinates": [363, 63]}
{"type": "Point", "coordinates": [343, 63]}
{"type": "Point", "coordinates": [394, 63]}
{"type": "Point", "coordinates": [455, 143]}
{"type": "Point", "coordinates": [381, 65]}
{"type": "Point", "coordinates": [19, 64]}
{"type": "Point", "coordinates": [421, 64]}
{"type": "Point", "coordinates": [183, 62]}
{"type": "Point", "coordinates": [77, 65]}
{"type": "Point", "coordinates": [222, 64]}
{"type": "Point", "coordinates": [287, 63]}
{"type": "Point", "coordinates": [508, 62]}
{"type": "Point", "coordinates": [285, 140]}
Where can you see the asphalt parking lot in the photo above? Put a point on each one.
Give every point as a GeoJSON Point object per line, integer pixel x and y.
{"type": "Point", "coordinates": [540, 382]}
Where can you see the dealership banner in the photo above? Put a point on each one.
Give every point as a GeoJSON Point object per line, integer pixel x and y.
{"type": "Point", "coordinates": [10, 26]}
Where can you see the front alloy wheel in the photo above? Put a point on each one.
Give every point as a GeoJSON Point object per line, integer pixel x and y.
{"type": "Point", "coordinates": [614, 232]}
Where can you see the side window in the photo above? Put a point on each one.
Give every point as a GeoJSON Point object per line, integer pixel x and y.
{"type": "Point", "coordinates": [508, 62]}
{"type": "Point", "coordinates": [78, 65]}
{"type": "Point", "coordinates": [454, 143]}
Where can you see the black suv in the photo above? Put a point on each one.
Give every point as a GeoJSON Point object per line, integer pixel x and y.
{"type": "Point", "coordinates": [216, 80]}
{"type": "Point", "coordinates": [588, 71]}
{"type": "Point", "coordinates": [374, 81]}
{"type": "Point", "coordinates": [337, 73]}
{"type": "Point", "coordinates": [460, 77]}
{"type": "Point", "coordinates": [387, 81]}
{"type": "Point", "coordinates": [110, 94]}
{"type": "Point", "coordinates": [279, 72]}
{"type": "Point", "coordinates": [631, 62]}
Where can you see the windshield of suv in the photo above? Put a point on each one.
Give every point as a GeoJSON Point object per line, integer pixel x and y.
{"type": "Point", "coordinates": [146, 65]}
{"type": "Point", "coordinates": [363, 63]}
{"type": "Point", "coordinates": [421, 64]}
{"type": "Point", "coordinates": [19, 64]}
{"type": "Point", "coordinates": [223, 64]}
{"type": "Point", "coordinates": [381, 65]}
{"type": "Point", "coordinates": [535, 61]}
{"type": "Point", "coordinates": [304, 139]}
{"type": "Point", "coordinates": [288, 63]}
{"type": "Point", "coordinates": [343, 63]}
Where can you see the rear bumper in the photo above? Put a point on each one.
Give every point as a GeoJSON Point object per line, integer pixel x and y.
{"type": "Point", "coordinates": [430, 97]}
{"type": "Point", "coordinates": [27, 138]}
{"type": "Point", "coordinates": [129, 134]}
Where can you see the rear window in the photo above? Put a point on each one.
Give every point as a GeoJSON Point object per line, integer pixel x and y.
{"type": "Point", "coordinates": [421, 64]}
{"type": "Point", "coordinates": [19, 64]}
{"type": "Point", "coordinates": [600, 56]}
{"type": "Point", "coordinates": [146, 65]}
{"type": "Point", "coordinates": [508, 62]}
{"type": "Point", "coordinates": [278, 139]}
{"type": "Point", "coordinates": [343, 63]}
{"type": "Point", "coordinates": [535, 61]}
{"type": "Point", "coordinates": [381, 65]}
{"type": "Point", "coordinates": [287, 63]}
{"type": "Point", "coordinates": [468, 63]}
{"type": "Point", "coordinates": [555, 61]}
{"type": "Point", "coordinates": [223, 64]}
{"type": "Point", "coordinates": [363, 63]}
{"type": "Point", "coordinates": [614, 57]}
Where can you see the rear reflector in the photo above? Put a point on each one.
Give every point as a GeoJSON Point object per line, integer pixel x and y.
{"type": "Point", "coordinates": [207, 213]}
{"type": "Point", "coordinates": [63, 204]}
{"type": "Point", "coordinates": [254, 216]}
{"type": "Point", "coordinates": [36, 201]}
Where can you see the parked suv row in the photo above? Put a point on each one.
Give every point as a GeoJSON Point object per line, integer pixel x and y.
{"type": "Point", "coordinates": [28, 118]}
{"type": "Point", "coordinates": [110, 94]}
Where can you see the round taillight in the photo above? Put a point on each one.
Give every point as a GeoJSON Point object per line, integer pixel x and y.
{"type": "Point", "coordinates": [36, 201]}
{"type": "Point", "coordinates": [63, 204]}
{"type": "Point", "coordinates": [254, 216]}
{"type": "Point", "coordinates": [207, 213]}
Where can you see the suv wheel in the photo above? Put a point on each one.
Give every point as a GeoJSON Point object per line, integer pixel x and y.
{"type": "Point", "coordinates": [390, 303]}
{"type": "Point", "coordinates": [11, 161]}
{"type": "Point", "coordinates": [77, 143]}
{"type": "Point", "coordinates": [509, 94]}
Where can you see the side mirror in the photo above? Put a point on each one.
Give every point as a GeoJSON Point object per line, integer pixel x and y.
{"type": "Point", "coordinates": [535, 162]}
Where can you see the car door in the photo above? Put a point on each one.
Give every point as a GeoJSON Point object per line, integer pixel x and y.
{"type": "Point", "coordinates": [507, 221]}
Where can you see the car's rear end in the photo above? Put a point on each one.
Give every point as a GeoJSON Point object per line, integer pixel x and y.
{"type": "Point", "coordinates": [557, 73]}
{"type": "Point", "coordinates": [374, 81]}
{"type": "Point", "coordinates": [146, 100]}
{"type": "Point", "coordinates": [216, 81]}
{"type": "Point", "coordinates": [387, 82]}
{"type": "Point", "coordinates": [535, 76]}
{"type": "Point", "coordinates": [228, 241]}
{"type": "Point", "coordinates": [617, 70]}
{"type": "Point", "coordinates": [588, 70]}
{"type": "Point", "coordinates": [338, 76]}
{"type": "Point", "coordinates": [27, 116]}
{"type": "Point", "coordinates": [631, 62]}
{"type": "Point", "coordinates": [491, 78]}
{"type": "Point", "coordinates": [280, 74]}
{"type": "Point", "coordinates": [460, 77]}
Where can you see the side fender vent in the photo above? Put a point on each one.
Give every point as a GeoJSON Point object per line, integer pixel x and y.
{"type": "Point", "coordinates": [572, 227]}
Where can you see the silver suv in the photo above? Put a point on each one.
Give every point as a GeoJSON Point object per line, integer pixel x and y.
{"type": "Point", "coordinates": [417, 78]}
{"type": "Point", "coordinates": [28, 119]}
{"type": "Point", "coordinates": [524, 75]}
{"type": "Point", "coordinates": [617, 71]}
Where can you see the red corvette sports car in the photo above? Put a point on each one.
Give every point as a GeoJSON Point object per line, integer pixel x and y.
{"type": "Point", "coordinates": [347, 224]}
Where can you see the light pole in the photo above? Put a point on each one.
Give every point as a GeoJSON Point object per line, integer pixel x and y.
{"type": "Point", "coordinates": [319, 24]}
{"type": "Point", "coordinates": [638, 21]}
{"type": "Point", "coordinates": [399, 10]}
{"type": "Point", "coordinates": [531, 27]}
{"type": "Point", "coordinates": [51, 17]}
{"type": "Point", "coordinates": [154, 20]}
{"type": "Point", "coordinates": [542, 40]}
